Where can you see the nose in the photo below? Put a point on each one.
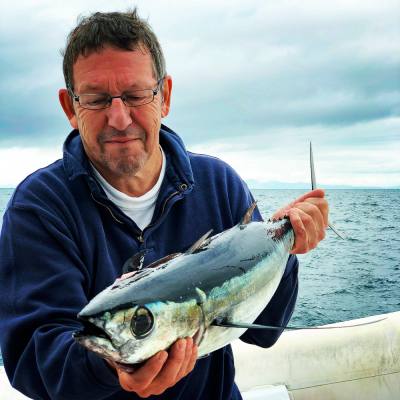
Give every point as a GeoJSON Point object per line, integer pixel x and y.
{"type": "Point", "coordinates": [119, 115]}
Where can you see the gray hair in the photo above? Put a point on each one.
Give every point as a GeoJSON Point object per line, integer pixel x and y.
{"type": "Point", "coordinates": [122, 30]}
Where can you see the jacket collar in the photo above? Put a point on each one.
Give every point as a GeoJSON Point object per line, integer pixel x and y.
{"type": "Point", "coordinates": [179, 170]}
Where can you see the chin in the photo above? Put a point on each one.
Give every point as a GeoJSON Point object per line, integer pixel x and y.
{"type": "Point", "coordinates": [129, 166]}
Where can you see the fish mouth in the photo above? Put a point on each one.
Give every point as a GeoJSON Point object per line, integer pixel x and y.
{"type": "Point", "coordinates": [89, 330]}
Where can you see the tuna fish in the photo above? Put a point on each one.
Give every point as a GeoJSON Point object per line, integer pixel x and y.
{"type": "Point", "coordinates": [222, 280]}
{"type": "Point", "coordinates": [213, 292]}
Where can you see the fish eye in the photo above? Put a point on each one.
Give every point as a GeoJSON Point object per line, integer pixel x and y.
{"type": "Point", "coordinates": [142, 322]}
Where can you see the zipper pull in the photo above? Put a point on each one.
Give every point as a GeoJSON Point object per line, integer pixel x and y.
{"type": "Point", "coordinates": [140, 238]}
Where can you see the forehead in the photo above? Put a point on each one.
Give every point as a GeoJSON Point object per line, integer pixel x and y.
{"type": "Point", "coordinates": [112, 66]}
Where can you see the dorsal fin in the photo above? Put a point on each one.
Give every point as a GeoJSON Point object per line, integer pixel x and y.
{"type": "Point", "coordinates": [163, 260]}
{"type": "Point", "coordinates": [134, 263]}
{"type": "Point", "coordinates": [248, 214]}
{"type": "Point", "coordinates": [170, 257]}
{"type": "Point", "coordinates": [199, 243]}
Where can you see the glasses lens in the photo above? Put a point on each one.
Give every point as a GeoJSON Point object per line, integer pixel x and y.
{"type": "Point", "coordinates": [138, 97]}
{"type": "Point", "coordinates": [94, 101]}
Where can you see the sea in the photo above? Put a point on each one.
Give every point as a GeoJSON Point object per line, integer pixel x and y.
{"type": "Point", "coordinates": [341, 279]}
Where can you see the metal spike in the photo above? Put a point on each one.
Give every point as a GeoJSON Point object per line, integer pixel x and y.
{"type": "Point", "coordinates": [314, 185]}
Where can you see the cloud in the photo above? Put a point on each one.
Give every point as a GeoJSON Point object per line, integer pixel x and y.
{"type": "Point", "coordinates": [365, 160]}
{"type": "Point", "coordinates": [19, 162]}
{"type": "Point", "coordinates": [271, 70]}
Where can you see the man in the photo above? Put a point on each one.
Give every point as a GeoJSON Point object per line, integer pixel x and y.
{"type": "Point", "coordinates": [125, 184]}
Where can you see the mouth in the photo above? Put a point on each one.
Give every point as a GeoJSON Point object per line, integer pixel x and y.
{"type": "Point", "coordinates": [120, 140]}
{"type": "Point", "coordinates": [90, 329]}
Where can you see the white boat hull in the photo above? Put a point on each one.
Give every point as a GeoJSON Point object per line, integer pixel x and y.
{"type": "Point", "coordinates": [361, 362]}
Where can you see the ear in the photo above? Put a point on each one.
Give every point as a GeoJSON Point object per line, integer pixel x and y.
{"type": "Point", "coordinates": [166, 96]}
{"type": "Point", "coordinates": [68, 107]}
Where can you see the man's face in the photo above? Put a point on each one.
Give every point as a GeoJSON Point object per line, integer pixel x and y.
{"type": "Point", "coordinates": [120, 141]}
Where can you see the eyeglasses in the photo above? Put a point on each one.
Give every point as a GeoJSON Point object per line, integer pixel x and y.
{"type": "Point", "coordinates": [99, 101]}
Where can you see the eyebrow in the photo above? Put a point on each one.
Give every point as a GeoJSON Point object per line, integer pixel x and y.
{"type": "Point", "coordinates": [86, 88]}
{"type": "Point", "coordinates": [90, 86]}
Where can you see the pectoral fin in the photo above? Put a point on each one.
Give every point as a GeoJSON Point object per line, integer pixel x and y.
{"type": "Point", "coordinates": [226, 324]}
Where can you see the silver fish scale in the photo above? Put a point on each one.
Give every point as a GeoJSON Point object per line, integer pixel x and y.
{"type": "Point", "coordinates": [228, 254]}
{"type": "Point", "coordinates": [233, 277]}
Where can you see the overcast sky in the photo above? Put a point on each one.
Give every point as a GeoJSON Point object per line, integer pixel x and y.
{"type": "Point", "coordinates": [254, 81]}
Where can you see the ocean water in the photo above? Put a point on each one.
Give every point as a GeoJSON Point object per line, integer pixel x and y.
{"type": "Point", "coordinates": [341, 279]}
{"type": "Point", "coordinates": [353, 278]}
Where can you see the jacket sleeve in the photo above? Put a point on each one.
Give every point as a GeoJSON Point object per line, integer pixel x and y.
{"type": "Point", "coordinates": [43, 283]}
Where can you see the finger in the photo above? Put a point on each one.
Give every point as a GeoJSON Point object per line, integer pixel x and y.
{"type": "Point", "coordinates": [300, 234]}
{"type": "Point", "coordinates": [280, 213]}
{"type": "Point", "coordinates": [187, 365]}
{"type": "Point", "coordinates": [322, 205]}
{"type": "Point", "coordinates": [304, 231]}
{"type": "Point", "coordinates": [167, 376]}
{"type": "Point", "coordinates": [315, 213]}
{"type": "Point", "coordinates": [192, 360]}
{"type": "Point", "coordinates": [144, 376]}
{"type": "Point", "coordinates": [188, 353]}
{"type": "Point", "coordinates": [320, 193]}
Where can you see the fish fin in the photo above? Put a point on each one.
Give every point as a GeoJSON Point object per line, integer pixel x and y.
{"type": "Point", "coordinates": [341, 235]}
{"type": "Point", "coordinates": [314, 185]}
{"type": "Point", "coordinates": [201, 296]}
{"type": "Point", "coordinates": [225, 324]}
{"type": "Point", "coordinates": [201, 332]}
{"type": "Point", "coordinates": [312, 168]}
{"type": "Point", "coordinates": [248, 214]}
{"type": "Point", "coordinates": [163, 260]}
{"type": "Point", "coordinates": [134, 263]}
{"type": "Point", "coordinates": [199, 243]}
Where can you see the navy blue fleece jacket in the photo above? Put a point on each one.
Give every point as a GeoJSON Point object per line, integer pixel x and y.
{"type": "Point", "coordinates": [63, 241]}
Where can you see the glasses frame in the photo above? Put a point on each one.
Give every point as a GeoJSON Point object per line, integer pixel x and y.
{"type": "Point", "coordinates": [110, 98]}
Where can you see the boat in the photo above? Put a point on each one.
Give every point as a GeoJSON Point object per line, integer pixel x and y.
{"type": "Point", "coordinates": [356, 359]}
{"type": "Point", "coordinates": [350, 360]}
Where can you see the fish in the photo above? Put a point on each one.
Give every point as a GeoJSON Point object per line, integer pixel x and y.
{"type": "Point", "coordinates": [212, 292]}
{"type": "Point", "coordinates": [222, 280]}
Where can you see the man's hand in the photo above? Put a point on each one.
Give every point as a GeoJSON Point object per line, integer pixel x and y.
{"type": "Point", "coordinates": [161, 371]}
{"type": "Point", "coordinates": [309, 218]}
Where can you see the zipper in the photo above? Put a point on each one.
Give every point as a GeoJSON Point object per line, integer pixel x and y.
{"type": "Point", "coordinates": [162, 211]}
{"type": "Point", "coordinates": [140, 237]}
{"type": "Point", "coordinates": [108, 208]}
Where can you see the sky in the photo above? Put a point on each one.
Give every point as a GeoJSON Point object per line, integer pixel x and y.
{"type": "Point", "coordinates": [253, 83]}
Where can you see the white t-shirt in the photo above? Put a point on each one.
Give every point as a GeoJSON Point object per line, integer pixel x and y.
{"type": "Point", "coordinates": [139, 209]}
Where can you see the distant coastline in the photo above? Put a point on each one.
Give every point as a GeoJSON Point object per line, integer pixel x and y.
{"type": "Point", "coordinates": [270, 185]}
{"type": "Point", "coordinates": [254, 185]}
